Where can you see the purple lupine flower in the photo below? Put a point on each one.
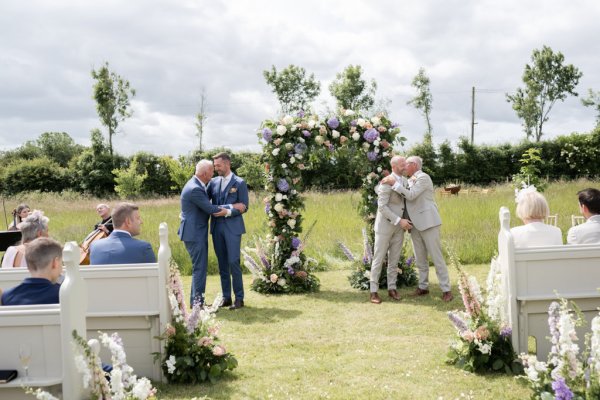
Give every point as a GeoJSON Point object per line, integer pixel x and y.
{"type": "Point", "coordinates": [365, 260]}
{"type": "Point", "coordinates": [371, 135]}
{"type": "Point", "coordinates": [553, 319]}
{"type": "Point", "coordinates": [300, 148]}
{"type": "Point", "coordinates": [458, 322]}
{"type": "Point", "coordinates": [333, 122]}
{"type": "Point", "coordinates": [506, 332]}
{"type": "Point", "coordinates": [265, 262]}
{"type": "Point", "coordinates": [300, 114]}
{"type": "Point", "coordinates": [291, 271]}
{"type": "Point", "coordinates": [561, 390]}
{"type": "Point", "coordinates": [353, 123]}
{"type": "Point", "coordinates": [395, 125]}
{"type": "Point", "coordinates": [372, 156]}
{"type": "Point", "coordinates": [306, 133]}
{"type": "Point", "coordinates": [251, 261]}
{"type": "Point", "coordinates": [267, 208]}
{"type": "Point", "coordinates": [346, 252]}
{"type": "Point", "coordinates": [410, 260]}
{"type": "Point", "coordinates": [192, 321]}
{"type": "Point", "coordinates": [295, 242]}
{"type": "Point", "coordinates": [283, 185]}
{"type": "Point", "coordinates": [267, 134]}
{"type": "Point", "coordinates": [331, 148]}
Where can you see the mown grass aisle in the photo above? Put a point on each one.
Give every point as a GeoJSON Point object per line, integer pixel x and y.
{"type": "Point", "coordinates": [336, 345]}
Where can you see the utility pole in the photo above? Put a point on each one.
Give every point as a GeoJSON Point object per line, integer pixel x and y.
{"type": "Point", "coordinates": [472, 114]}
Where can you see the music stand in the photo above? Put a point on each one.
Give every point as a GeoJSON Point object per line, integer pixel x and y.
{"type": "Point", "coordinates": [9, 238]}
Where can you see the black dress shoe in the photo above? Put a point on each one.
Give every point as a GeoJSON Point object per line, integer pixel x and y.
{"type": "Point", "coordinates": [237, 304]}
{"type": "Point", "coordinates": [226, 302]}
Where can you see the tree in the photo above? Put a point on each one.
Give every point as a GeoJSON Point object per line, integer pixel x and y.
{"type": "Point", "coordinates": [351, 91]}
{"type": "Point", "coordinates": [59, 147]}
{"type": "Point", "coordinates": [422, 101]}
{"type": "Point", "coordinates": [593, 100]}
{"type": "Point", "coordinates": [293, 89]}
{"type": "Point", "coordinates": [546, 81]}
{"type": "Point", "coordinates": [201, 119]}
{"type": "Point", "coordinates": [111, 93]}
{"type": "Point", "coordinates": [129, 181]}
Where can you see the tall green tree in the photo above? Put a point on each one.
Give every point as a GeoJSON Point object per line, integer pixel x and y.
{"type": "Point", "coordinates": [547, 79]}
{"type": "Point", "coordinates": [294, 90]}
{"type": "Point", "coordinates": [59, 147]}
{"type": "Point", "coordinates": [423, 99]}
{"type": "Point", "coordinates": [111, 93]}
{"type": "Point", "coordinates": [351, 91]}
{"type": "Point", "coordinates": [593, 100]}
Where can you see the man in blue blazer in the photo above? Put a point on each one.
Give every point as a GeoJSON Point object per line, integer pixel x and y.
{"type": "Point", "coordinates": [196, 208]}
{"type": "Point", "coordinates": [120, 247]}
{"type": "Point", "coordinates": [227, 231]}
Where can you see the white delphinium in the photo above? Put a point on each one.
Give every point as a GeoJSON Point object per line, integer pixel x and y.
{"type": "Point", "coordinates": [595, 350]}
{"type": "Point", "coordinates": [567, 349]}
{"type": "Point", "coordinates": [175, 307]}
{"type": "Point", "coordinates": [475, 289]}
{"type": "Point", "coordinates": [83, 368]}
{"type": "Point", "coordinates": [533, 366]}
{"type": "Point", "coordinates": [496, 298]}
{"type": "Point", "coordinates": [143, 389]}
{"type": "Point", "coordinates": [40, 394]}
{"type": "Point", "coordinates": [171, 364]}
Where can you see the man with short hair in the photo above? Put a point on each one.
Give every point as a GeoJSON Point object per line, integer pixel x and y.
{"type": "Point", "coordinates": [120, 247]}
{"type": "Point", "coordinates": [44, 261]}
{"type": "Point", "coordinates": [426, 221]}
{"type": "Point", "coordinates": [196, 209]}
{"type": "Point", "coordinates": [389, 232]}
{"type": "Point", "coordinates": [106, 224]}
{"type": "Point", "coordinates": [589, 205]}
{"type": "Point", "coordinates": [227, 231]}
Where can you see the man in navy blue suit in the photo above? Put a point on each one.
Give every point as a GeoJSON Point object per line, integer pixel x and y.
{"type": "Point", "coordinates": [196, 209]}
{"type": "Point", "coordinates": [44, 261]}
{"type": "Point", "coordinates": [227, 188]}
{"type": "Point", "coordinates": [120, 247]}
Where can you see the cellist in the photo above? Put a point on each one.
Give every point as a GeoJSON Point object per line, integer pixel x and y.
{"type": "Point", "coordinates": [106, 224]}
{"type": "Point", "coordinates": [101, 230]}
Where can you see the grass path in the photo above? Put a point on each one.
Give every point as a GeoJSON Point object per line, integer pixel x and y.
{"type": "Point", "coordinates": [336, 345]}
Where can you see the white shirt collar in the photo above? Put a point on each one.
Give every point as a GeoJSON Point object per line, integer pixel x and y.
{"type": "Point", "coordinates": [201, 183]}
{"type": "Point", "coordinates": [122, 231]}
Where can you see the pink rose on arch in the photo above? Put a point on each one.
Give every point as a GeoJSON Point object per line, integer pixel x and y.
{"type": "Point", "coordinates": [384, 143]}
{"type": "Point", "coordinates": [381, 128]}
{"type": "Point", "coordinates": [170, 330]}
{"type": "Point", "coordinates": [482, 333]}
{"type": "Point", "coordinates": [468, 336]}
{"type": "Point", "coordinates": [219, 351]}
{"type": "Point", "coordinates": [343, 139]}
{"type": "Point", "coordinates": [273, 278]}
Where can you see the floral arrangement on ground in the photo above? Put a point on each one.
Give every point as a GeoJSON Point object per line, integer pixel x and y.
{"type": "Point", "coordinates": [569, 374]}
{"type": "Point", "coordinates": [287, 144]}
{"type": "Point", "coordinates": [193, 352]}
{"type": "Point", "coordinates": [361, 275]}
{"type": "Point", "coordinates": [483, 335]}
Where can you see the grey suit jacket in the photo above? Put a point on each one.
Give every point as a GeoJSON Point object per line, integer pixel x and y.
{"type": "Point", "coordinates": [586, 233]}
{"type": "Point", "coordinates": [422, 210]}
{"type": "Point", "coordinates": [390, 206]}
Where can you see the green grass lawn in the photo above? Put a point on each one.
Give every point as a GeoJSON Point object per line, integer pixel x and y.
{"type": "Point", "coordinates": [336, 345]}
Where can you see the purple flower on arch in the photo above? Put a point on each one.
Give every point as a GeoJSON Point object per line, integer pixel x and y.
{"type": "Point", "coordinates": [300, 114]}
{"type": "Point", "coordinates": [395, 125]}
{"type": "Point", "coordinates": [291, 271]}
{"type": "Point", "coordinates": [267, 134]}
{"type": "Point", "coordinates": [283, 185]}
{"type": "Point", "coordinates": [300, 148]}
{"type": "Point", "coordinates": [561, 390]}
{"type": "Point", "coordinates": [371, 135]}
{"type": "Point", "coordinates": [295, 242]}
{"type": "Point", "coordinates": [372, 156]}
{"type": "Point", "coordinates": [333, 122]}
{"type": "Point", "coordinates": [267, 208]}
{"type": "Point", "coordinates": [306, 133]}
{"type": "Point", "coordinates": [353, 122]}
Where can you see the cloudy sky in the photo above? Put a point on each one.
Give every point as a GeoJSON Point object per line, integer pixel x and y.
{"type": "Point", "coordinates": [170, 50]}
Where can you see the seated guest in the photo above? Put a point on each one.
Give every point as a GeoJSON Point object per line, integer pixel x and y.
{"type": "Point", "coordinates": [19, 214]}
{"type": "Point", "coordinates": [533, 208]}
{"type": "Point", "coordinates": [120, 247]}
{"type": "Point", "coordinates": [34, 226]}
{"type": "Point", "coordinates": [589, 205]}
{"type": "Point", "coordinates": [106, 224]}
{"type": "Point", "coordinates": [44, 261]}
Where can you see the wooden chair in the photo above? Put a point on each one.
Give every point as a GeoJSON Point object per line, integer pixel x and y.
{"type": "Point", "coordinates": [577, 219]}
{"type": "Point", "coordinates": [445, 193]}
{"type": "Point", "coordinates": [552, 220]}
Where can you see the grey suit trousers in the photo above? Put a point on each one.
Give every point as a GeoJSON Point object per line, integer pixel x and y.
{"type": "Point", "coordinates": [428, 241]}
{"type": "Point", "coordinates": [390, 244]}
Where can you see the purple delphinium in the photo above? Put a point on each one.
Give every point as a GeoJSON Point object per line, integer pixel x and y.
{"type": "Point", "coordinates": [295, 242]}
{"type": "Point", "coordinates": [283, 185]}
{"type": "Point", "coordinates": [561, 390]}
{"type": "Point", "coordinates": [267, 208]}
{"type": "Point", "coordinates": [395, 125]}
{"type": "Point", "coordinates": [300, 114]}
{"type": "Point", "coordinates": [371, 135]}
{"type": "Point", "coordinates": [194, 317]}
{"type": "Point", "coordinates": [291, 271]}
{"type": "Point", "coordinates": [300, 148]}
{"type": "Point", "coordinates": [265, 262]}
{"type": "Point", "coordinates": [331, 148]}
{"type": "Point", "coordinates": [372, 156]}
{"type": "Point", "coordinates": [306, 133]}
{"type": "Point", "coordinates": [353, 122]}
{"type": "Point", "coordinates": [506, 332]}
{"type": "Point", "coordinates": [458, 322]}
{"type": "Point", "coordinates": [410, 260]}
{"type": "Point", "coordinates": [333, 122]}
{"type": "Point", "coordinates": [267, 134]}
{"type": "Point", "coordinates": [347, 252]}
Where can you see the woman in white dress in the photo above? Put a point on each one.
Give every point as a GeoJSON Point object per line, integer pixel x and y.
{"type": "Point", "coordinates": [533, 208]}
{"type": "Point", "coordinates": [32, 227]}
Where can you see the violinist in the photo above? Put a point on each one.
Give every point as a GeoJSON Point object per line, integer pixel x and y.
{"type": "Point", "coordinates": [106, 224]}
{"type": "Point", "coordinates": [19, 215]}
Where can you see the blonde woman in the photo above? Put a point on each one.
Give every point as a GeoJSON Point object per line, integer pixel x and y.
{"type": "Point", "coordinates": [532, 209]}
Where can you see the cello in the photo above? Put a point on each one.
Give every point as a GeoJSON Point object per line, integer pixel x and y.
{"type": "Point", "coordinates": [96, 234]}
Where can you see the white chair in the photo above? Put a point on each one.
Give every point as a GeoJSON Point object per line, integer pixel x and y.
{"type": "Point", "coordinates": [577, 219]}
{"type": "Point", "coordinates": [552, 220]}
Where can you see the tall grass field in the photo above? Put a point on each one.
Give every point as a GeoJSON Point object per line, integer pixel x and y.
{"type": "Point", "coordinates": [334, 344]}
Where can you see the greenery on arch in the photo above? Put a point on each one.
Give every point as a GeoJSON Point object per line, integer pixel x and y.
{"type": "Point", "coordinates": [279, 264]}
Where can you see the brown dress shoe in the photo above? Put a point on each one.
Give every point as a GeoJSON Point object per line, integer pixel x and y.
{"type": "Point", "coordinates": [375, 299]}
{"type": "Point", "coordinates": [420, 292]}
{"type": "Point", "coordinates": [394, 294]}
{"type": "Point", "coordinates": [238, 304]}
{"type": "Point", "coordinates": [447, 296]}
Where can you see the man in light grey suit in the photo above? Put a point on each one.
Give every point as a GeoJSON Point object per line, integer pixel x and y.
{"type": "Point", "coordinates": [426, 221]}
{"type": "Point", "coordinates": [389, 232]}
{"type": "Point", "coordinates": [589, 205]}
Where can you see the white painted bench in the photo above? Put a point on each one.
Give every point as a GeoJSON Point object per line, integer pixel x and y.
{"type": "Point", "coordinates": [130, 299]}
{"type": "Point", "coordinates": [47, 330]}
{"type": "Point", "coordinates": [534, 277]}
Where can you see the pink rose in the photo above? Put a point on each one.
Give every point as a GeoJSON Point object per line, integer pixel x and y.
{"type": "Point", "coordinates": [219, 351]}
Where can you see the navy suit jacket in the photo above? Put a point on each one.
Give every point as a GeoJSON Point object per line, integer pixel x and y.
{"type": "Point", "coordinates": [121, 248]}
{"type": "Point", "coordinates": [32, 291]}
{"type": "Point", "coordinates": [235, 192]}
{"type": "Point", "coordinates": [196, 208]}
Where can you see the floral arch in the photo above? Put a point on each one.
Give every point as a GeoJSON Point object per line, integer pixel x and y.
{"type": "Point", "coordinates": [280, 266]}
